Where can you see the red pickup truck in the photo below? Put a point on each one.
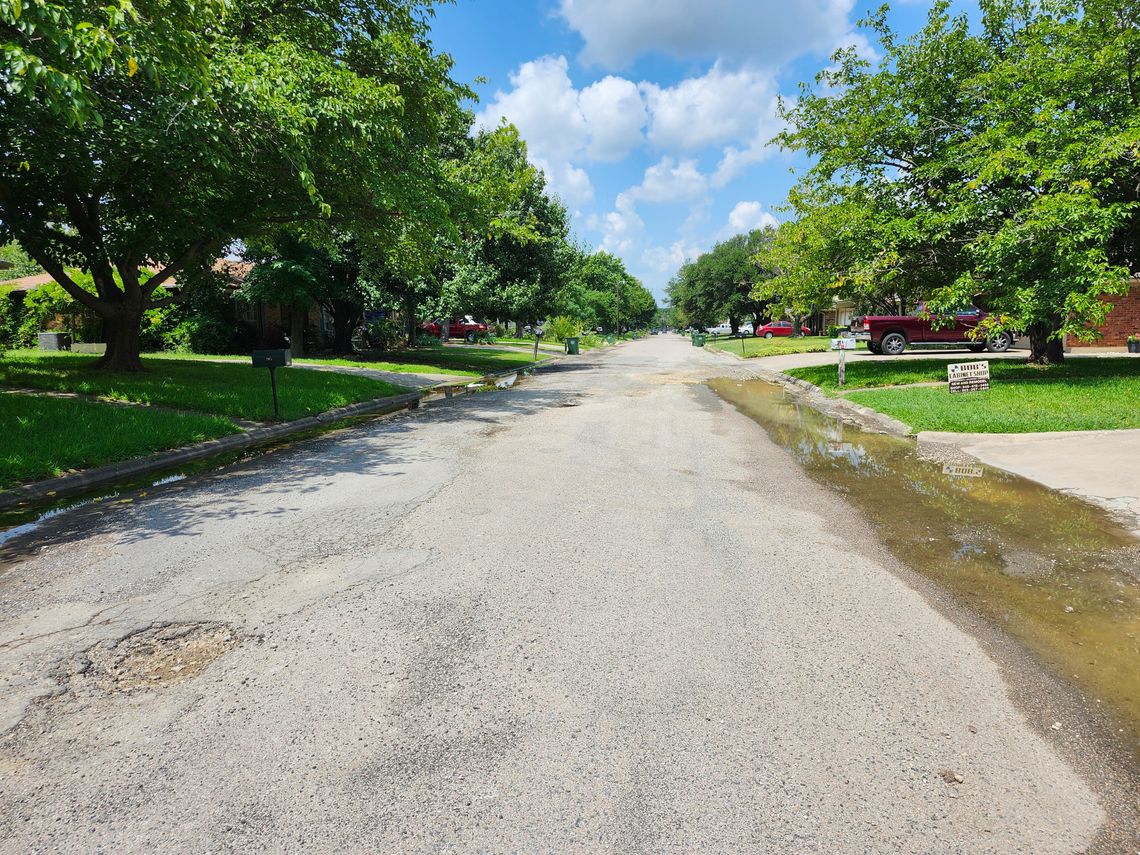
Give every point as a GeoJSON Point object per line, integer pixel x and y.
{"type": "Point", "coordinates": [466, 328]}
{"type": "Point", "coordinates": [891, 334]}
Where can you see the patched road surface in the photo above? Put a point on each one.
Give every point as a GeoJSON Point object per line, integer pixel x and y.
{"type": "Point", "coordinates": [600, 612]}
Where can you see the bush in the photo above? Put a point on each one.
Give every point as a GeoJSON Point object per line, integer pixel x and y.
{"type": "Point", "coordinates": [562, 328]}
{"type": "Point", "coordinates": [11, 316]}
{"type": "Point", "coordinates": [835, 331]}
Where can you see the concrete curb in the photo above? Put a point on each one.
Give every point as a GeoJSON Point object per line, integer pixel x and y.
{"type": "Point", "coordinates": [816, 398]}
{"type": "Point", "coordinates": [112, 473]}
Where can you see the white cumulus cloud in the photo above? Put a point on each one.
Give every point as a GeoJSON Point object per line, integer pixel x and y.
{"type": "Point", "coordinates": [746, 216]}
{"type": "Point", "coordinates": [765, 32]}
{"type": "Point", "coordinates": [718, 107]}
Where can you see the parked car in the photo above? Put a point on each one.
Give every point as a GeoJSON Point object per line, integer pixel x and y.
{"type": "Point", "coordinates": [720, 329]}
{"type": "Point", "coordinates": [892, 334]}
{"type": "Point", "coordinates": [778, 328]}
{"type": "Point", "coordinates": [745, 328]}
{"type": "Point", "coordinates": [466, 328]}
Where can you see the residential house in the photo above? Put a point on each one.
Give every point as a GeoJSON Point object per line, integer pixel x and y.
{"type": "Point", "coordinates": [1122, 321]}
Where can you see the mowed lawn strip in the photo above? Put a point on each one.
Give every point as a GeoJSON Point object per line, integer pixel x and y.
{"type": "Point", "coordinates": [1081, 394]}
{"type": "Point", "coordinates": [755, 347]}
{"type": "Point", "coordinates": [868, 373]}
{"type": "Point", "coordinates": [41, 437]}
{"type": "Point", "coordinates": [223, 388]}
{"type": "Point", "coordinates": [1013, 407]}
{"type": "Point", "coordinates": [459, 360]}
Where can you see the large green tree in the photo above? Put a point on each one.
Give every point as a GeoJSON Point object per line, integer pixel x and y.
{"type": "Point", "coordinates": [150, 135]}
{"type": "Point", "coordinates": [996, 163]}
{"type": "Point", "coordinates": [721, 283]}
{"type": "Point", "coordinates": [515, 267]}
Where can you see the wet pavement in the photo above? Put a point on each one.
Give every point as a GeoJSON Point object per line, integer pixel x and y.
{"type": "Point", "coordinates": [1055, 572]}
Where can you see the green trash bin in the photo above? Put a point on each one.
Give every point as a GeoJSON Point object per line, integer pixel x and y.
{"type": "Point", "coordinates": [572, 345]}
{"type": "Point", "coordinates": [610, 339]}
{"type": "Point", "coordinates": [698, 340]}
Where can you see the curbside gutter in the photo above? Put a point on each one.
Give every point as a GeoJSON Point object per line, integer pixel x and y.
{"type": "Point", "coordinates": [125, 470]}
{"type": "Point", "coordinates": [840, 407]}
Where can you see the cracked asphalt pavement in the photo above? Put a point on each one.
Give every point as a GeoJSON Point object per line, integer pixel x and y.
{"type": "Point", "coordinates": [600, 612]}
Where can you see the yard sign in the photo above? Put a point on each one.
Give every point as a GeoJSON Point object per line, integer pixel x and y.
{"type": "Point", "coordinates": [968, 376]}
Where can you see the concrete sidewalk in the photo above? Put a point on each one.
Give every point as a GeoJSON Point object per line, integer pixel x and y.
{"type": "Point", "coordinates": [1102, 466]}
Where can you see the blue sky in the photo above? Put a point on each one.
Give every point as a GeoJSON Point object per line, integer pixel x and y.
{"type": "Point", "coordinates": [650, 117]}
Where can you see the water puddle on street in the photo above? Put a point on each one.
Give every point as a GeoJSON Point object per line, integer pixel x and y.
{"type": "Point", "coordinates": [1055, 572]}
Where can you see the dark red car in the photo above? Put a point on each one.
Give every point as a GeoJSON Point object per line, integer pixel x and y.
{"type": "Point", "coordinates": [891, 334]}
{"type": "Point", "coordinates": [777, 328]}
{"type": "Point", "coordinates": [466, 328]}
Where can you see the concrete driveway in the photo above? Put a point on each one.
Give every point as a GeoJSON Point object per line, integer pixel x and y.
{"type": "Point", "coordinates": [566, 618]}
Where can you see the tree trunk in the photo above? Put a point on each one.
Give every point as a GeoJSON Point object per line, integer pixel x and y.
{"type": "Point", "coordinates": [342, 334]}
{"type": "Point", "coordinates": [1044, 350]}
{"type": "Point", "coordinates": [123, 345]}
{"type": "Point", "coordinates": [410, 320]}
{"type": "Point", "coordinates": [796, 331]}
{"type": "Point", "coordinates": [297, 331]}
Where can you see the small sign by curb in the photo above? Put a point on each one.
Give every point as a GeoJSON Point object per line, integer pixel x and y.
{"type": "Point", "coordinates": [968, 377]}
{"type": "Point", "coordinates": [962, 470]}
{"type": "Point", "coordinates": [843, 343]}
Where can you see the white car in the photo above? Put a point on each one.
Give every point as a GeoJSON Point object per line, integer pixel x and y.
{"type": "Point", "coordinates": [726, 329]}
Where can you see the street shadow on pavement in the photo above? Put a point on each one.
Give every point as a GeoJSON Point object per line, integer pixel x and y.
{"type": "Point", "coordinates": [265, 483]}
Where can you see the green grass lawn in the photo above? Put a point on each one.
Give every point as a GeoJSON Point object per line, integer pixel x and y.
{"type": "Point", "coordinates": [231, 389]}
{"type": "Point", "coordinates": [773, 346]}
{"type": "Point", "coordinates": [459, 360]}
{"type": "Point", "coordinates": [43, 437]}
{"type": "Point", "coordinates": [1081, 394]}
{"type": "Point", "coordinates": [869, 373]}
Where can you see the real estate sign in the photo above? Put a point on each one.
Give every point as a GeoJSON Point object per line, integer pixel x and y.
{"type": "Point", "coordinates": [968, 376]}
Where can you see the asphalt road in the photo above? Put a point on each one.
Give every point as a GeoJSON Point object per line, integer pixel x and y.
{"type": "Point", "coordinates": [597, 613]}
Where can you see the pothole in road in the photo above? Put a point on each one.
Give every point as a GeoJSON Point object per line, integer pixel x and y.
{"type": "Point", "coordinates": [154, 657]}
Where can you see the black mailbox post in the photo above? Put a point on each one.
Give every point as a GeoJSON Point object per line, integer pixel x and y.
{"type": "Point", "coordinates": [273, 359]}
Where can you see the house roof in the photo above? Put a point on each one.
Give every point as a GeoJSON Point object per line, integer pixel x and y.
{"type": "Point", "coordinates": [27, 283]}
{"type": "Point", "coordinates": [235, 271]}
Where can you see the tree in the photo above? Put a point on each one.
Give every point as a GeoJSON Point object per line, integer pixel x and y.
{"type": "Point", "coordinates": [149, 136]}
{"type": "Point", "coordinates": [998, 165]}
{"type": "Point", "coordinates": [515, 267]}
{"type": "Point", "coordinates": [603, 293]}
{"type": "Point", "coordinates": [21, 263]}
{"type": "Point", "coordinates": [722, 282]}
{"type": "Point", "coordinates": [298, 274]}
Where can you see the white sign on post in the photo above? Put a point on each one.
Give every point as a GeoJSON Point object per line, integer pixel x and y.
{"type": "Point", "coordinates": [843, 344]}
{"type": "Point", "coordinates": [968, 376]}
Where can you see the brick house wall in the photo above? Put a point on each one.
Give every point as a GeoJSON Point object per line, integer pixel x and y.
{"type": "Point", "coordinates": [1122, 321]}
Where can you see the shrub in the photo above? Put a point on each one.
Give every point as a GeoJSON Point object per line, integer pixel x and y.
{"type": "Point", "coordinates": [562, 328]}
{"type": "Point", "coordinates": [11, 316]}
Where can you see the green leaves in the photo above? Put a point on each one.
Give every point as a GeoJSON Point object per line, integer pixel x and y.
{"type": "Point", "coordinates": [998, 164]}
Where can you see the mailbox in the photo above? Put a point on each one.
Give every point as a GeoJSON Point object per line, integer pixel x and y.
{"type": "Point", "coordinates": [272, 358]}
